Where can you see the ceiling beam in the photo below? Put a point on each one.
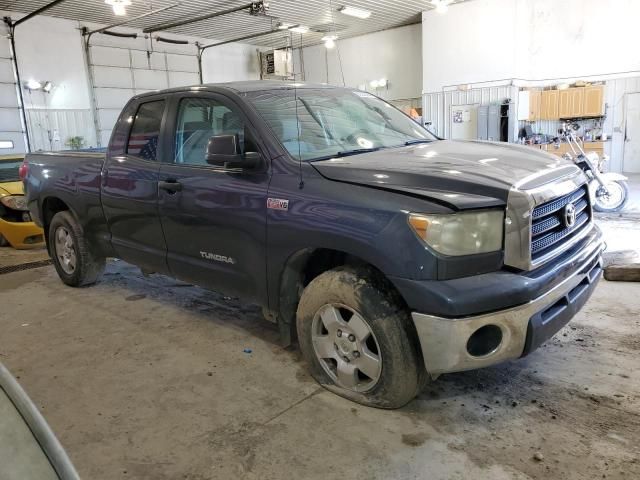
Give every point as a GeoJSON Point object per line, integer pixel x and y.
{"type": "Point", "coordinates": [253, 7]}
{"type": "Point", "coordinates": [38, 11]}
{"type": "Point", "coordinates": [239, 39]}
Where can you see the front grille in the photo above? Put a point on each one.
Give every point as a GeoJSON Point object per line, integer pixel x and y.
{"type": "Point", "coordinates": [549, 229]}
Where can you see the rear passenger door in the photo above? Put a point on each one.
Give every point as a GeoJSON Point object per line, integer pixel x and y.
{"type": "Point", "coordinates": [214, 221]}
{"type": "Point", "coordinates": [130, 185]}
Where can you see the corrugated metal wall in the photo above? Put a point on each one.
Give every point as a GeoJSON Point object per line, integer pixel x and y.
{"type": "Point", "coordinates": [437, 106]}
{"type": "Point", "coordinates": [437, 111]}
{"type": "Point", "coordinates": [51, 129]}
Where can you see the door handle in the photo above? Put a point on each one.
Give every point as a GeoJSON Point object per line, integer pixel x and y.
{"type": "Point", "coordinates": [170, 186]}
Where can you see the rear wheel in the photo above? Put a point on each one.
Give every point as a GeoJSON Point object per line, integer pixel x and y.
{"type": "Point", "coordinates": [358, 340]}
{"type": "Point", "coordinates": [76, 265]}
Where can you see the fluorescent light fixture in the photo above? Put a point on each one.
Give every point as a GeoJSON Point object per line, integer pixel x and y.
{"type": "Point", "coordinates": [355, 12]}
{"type": "Point", "coordinates": [285, 26]}
{"type": "Point", "coordinates": [118, 6]}
{"type": "Point", "coordinates": [6, 144]}
{"type": "Point", "coordinates": [329, 37]}
{"type": "Point", "coordinates": [299, 29]}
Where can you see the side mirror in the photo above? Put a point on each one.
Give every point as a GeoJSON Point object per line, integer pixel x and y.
{"type": "Point", "coordinates": [222, 150]}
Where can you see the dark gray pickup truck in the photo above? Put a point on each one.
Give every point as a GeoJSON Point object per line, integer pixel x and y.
{"type": "Point", "coordinates": [398, 256]}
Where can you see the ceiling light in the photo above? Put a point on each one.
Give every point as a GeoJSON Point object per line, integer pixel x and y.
{"type": "Point", "coordinates": [441, 5]}
{"type": "Point", "coordinates": [330, 43]}
{"type": "Point", "coordinates": [355, 12]}
{"type": "Point", "coordinates": [299, 29]}
{"type": "Point", "coordinates": [285, 26]}
{"type": "Point", "coordinates": [33, 84]}
{"type": "Point", "coordinates": [382, 82]}
{"type": "Point", "coordinates": [374, 84]}
{"type": "Point", "coordinates": [329, 37]}
{"type": "Point", "coordinates": [118, 6]}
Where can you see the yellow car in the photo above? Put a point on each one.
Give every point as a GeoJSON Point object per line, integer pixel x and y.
{"type": "Point", "coordinates": [16, 227]}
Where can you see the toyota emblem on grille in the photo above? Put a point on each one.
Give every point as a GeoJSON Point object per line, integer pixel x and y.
{"type": "Point", "coordinates": [569, 215]}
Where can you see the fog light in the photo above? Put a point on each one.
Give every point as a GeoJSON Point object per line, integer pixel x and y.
{"type": "Point", "coordinates": [26, 217]}
{"type": "Point", "coordinates": [484, 341]}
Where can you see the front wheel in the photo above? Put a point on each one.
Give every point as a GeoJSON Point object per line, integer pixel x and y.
{"type": "Point", "coordinates": [358, 340]}
{"type": "Point", "coordinates": [611, 197]}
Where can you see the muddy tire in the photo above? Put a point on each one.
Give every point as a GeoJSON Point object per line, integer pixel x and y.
{"type": "Point", "coordinates": [358, 339]}
{"type": "Point", "coordinates": [76, 265]}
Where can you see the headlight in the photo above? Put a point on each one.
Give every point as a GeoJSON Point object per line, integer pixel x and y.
{"type": "Point", "coordinates": [461, 233]}
{"type": "Point", "coordinates": [15, 202]}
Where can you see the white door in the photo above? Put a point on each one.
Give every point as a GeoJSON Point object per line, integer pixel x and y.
{"type": "Point", "coordinates": [120, 72]}
{"type": "Point", "coordinates": [631, 162]}
{"type": "Point", "coordinates": [11, 132]}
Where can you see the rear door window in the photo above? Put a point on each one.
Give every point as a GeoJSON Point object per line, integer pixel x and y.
{"type": "Point", "coordinates": [143, 140]}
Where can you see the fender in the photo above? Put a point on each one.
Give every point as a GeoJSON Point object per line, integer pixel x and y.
{"type": "Point", "coordinates": [612, 176]}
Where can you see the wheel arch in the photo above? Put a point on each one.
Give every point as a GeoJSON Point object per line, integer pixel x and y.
{"type": "Point", "coordinates": [50, 206]}
{"type": "Point", "coordinates": [304, 265]}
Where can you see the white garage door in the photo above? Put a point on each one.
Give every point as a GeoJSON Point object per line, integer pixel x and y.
{"type": "Point", "coordinates": [11, 134]}
{"type": "Point", "coordinates": [118, 73]}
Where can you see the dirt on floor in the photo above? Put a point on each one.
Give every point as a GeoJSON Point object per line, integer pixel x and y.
{"type": "Point", "coordinates": [150, 378]}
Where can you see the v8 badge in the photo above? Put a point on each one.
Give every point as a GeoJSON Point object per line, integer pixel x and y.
{"type": "Point", "coordinates": [277, 204]}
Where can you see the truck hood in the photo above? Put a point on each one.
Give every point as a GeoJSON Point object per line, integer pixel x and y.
{"type": "Point", "coordinates": [458, 174]}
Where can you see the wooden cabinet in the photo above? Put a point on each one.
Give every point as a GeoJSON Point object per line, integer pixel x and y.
{"type": "Point", "coordinates": [581, 102]}
{"type": "Point", "coordinates": [593, 101]}
{"type": "Point", "coordinates": [564, 147]}
{"type": "Point", "coordinates": [564, 103]}
{"type": "Point", "coordinates": [571, 102]}
{"type": "Point", "coordinates": [535, 100]}
{"type": "Point", "coordinates": [549, 105]}
{"type": "Point", "coordinates": [578, 101]}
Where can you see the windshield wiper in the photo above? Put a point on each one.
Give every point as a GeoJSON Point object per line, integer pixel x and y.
{"type": "Point", "coordinates": [417, 140]}
{"type": "Point", "coordinates": [345, 153]}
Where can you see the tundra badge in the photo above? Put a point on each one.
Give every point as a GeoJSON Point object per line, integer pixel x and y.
{"type": "Point", "coordinates": [217, 258]}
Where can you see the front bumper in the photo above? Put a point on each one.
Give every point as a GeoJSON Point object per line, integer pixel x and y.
{"type": "Point", "coordinates": [22, 235]}
{"type": "Point", "coordinates": [446, 342]}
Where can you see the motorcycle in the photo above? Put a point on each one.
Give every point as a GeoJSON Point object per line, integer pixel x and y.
{"type": "Point", "coordinates": [611, 191]}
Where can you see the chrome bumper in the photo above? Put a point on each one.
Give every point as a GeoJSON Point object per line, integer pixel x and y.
{"type": "Point", "coordinates": [444, 340]}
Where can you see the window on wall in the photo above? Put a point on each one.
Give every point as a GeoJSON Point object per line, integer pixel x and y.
{"type": "Point", "coordinates": [143, 140]}
{"type": "Point", "coordinates": [198, 120]}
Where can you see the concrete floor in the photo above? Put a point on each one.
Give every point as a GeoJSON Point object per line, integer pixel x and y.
{"type": "Point", "coordinates": [146, 378]}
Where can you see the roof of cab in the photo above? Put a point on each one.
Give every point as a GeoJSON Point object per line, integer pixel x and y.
{"type": "Point", "coordinates": [242, 87]}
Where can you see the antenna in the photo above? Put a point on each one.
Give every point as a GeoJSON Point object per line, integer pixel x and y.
{"type": "Point", "coordinates": [295, 98]}
{"type": "Point", "coordinates": [333, 26]}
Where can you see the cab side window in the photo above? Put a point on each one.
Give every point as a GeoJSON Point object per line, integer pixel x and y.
{"type": "Point", "coordinates": [199, 119]}
{"type": "Point", "coordinates": [143, 140]}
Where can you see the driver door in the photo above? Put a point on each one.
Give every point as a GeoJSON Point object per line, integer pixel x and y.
{"type": "Point", "coordinates": [214, 217]}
